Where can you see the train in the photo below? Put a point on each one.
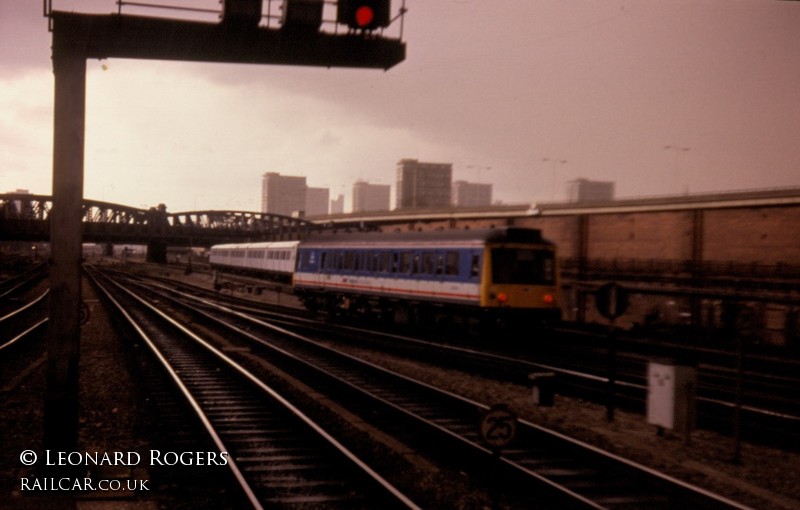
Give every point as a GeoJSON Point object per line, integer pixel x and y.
{"type": "Point", "coordinates": [501, 274]}
{"type": "Point", "coordinates": [272, 260]}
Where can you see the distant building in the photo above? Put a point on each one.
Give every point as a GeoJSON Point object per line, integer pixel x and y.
{"type": "Point", "coordinates": [371, 197]}
{"type": "Point", "coordinates": [337, 205]}
{"type": "Point", "coordinates": [317, 201]}
{"type": "Point", "coordinates": [584, 190]}
{"type": "Point", "coordinates": [281, 194]}
{"type": "Point", "coordinates": [423, 185]}
{"type": "Point", "coordinates": [471, 194]}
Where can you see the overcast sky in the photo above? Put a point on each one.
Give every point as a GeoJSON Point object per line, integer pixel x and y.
{"type": "Point", "coordinates": [660, 96]}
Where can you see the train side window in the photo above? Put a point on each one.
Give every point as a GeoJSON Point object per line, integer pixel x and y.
{"type": "Point", "coordinates": [475, 266]}
{"type": "Point", "coordinates": [405, 262]}
{"type": "Point", "coordinates": [395, 262]}
{"type": "Point", "coordinates": [416, 264]}
{"type": "Point", "coordinates": [323, 261]}
{"type": "Point", "coordinates": [439, 264]}
{"type": "Point", "coordinates": [451, 263]}
{"type": "Point", "coordinates": [385, 262]}
{"type": "Point", "coordinates": [427, 262]}
{"type": "Point", "coordinates": [305, 260]}
{"type": "Point", "coordinates": [348, 260]}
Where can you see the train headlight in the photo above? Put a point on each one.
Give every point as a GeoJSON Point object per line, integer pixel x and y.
{"type": "Point", "coordinates": [549, 299]}
{"type": "Point", "coordinates": [502, 297]}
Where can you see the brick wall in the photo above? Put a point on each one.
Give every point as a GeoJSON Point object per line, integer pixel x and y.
{"type": "Point", "coordinates": [765, 235]}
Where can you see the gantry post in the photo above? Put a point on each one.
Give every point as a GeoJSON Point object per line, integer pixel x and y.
{"type": "Point", "coordinates": [63, 337]}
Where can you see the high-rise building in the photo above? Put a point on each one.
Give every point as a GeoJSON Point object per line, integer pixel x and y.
{"type": "Point", "coordinates": [423, 185]}
{"type": "Point", "coordinates": [317, 201]}
{"type": "Point", "coordinates": [282, 194]}
{"type": "Point", "coordinates": [371, 197]}
{"type": "Point", "coordinates": [337, 205]}
{"type": "Point", "coordinates": [471, 194]}
{"type": "Point", "coordinates": [584, 190]}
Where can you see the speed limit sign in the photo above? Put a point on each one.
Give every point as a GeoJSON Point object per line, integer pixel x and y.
{"type": "Point", "coordinates": [498, 426]}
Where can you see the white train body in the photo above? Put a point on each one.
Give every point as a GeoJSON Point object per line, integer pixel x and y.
{"type": "Point", "coordinates": [276, 259]}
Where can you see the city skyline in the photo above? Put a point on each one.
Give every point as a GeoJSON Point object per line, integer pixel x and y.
{"type": "Point", "coordinates": [662, 98]}
{"type": "Point", "coordinates": [292, 195]}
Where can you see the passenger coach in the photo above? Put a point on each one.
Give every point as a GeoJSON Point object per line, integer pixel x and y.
{"type": "Point", "coordinates": [508, 273]}
{"type": "Point", "coordinates": [274, 260]}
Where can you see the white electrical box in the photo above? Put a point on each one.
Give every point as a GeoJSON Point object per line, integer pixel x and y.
{"type": "Point", "coordinates": [671, 396]}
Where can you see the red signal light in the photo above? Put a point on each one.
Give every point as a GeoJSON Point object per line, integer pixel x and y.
{"type": "Point", "coordinates": [364, 16]}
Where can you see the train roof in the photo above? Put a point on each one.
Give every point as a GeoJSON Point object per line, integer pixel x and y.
{"type": "Point", "coordinates": [254, 246]}
{"type": "Point", "coordinates": [464, 237]}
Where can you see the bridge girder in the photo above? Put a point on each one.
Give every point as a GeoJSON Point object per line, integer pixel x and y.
{"type": "Point", "coordinates": [26, 217]}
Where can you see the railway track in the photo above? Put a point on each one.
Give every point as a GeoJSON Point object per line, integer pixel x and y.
{"type": "Point", "coordinates": [18, 283]}
{"type": "Point", "coordinates": [23, 322]}
{"type": "Point", "coordinates": [542, 468]}
{"type": "Point", "coordinates": [278, 456]}
{"type": "Point", "coordinates": [770, 403]}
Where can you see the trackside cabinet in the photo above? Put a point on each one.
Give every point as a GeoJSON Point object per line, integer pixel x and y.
{"type": "Point", "coordinates": [543, 384]}
{"type": "Point", "coordinates": [671, 390]}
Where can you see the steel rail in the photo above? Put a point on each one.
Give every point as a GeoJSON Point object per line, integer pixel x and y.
{"type": "Point", "coordinates": [600, 380]}
{"type": "Point", "coordinates": [400, 498]}
{"type": "Point", "coordinates": [234, 468]}
{"type": "Point", "coordinates": [322, 362]}
{"type": "Point", "coordinates": [23, 334]}
{"type": "Point", "coordinates": [14, 283]}
{"type": "Point", "coordinates": [25, 307]}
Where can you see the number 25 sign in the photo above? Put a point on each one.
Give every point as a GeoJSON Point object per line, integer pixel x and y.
{"type": "Point", "coordinates": [498, 426]}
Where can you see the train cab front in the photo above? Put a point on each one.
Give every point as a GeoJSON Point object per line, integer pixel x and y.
{"type": "Point", "coordinates": [521, 281]}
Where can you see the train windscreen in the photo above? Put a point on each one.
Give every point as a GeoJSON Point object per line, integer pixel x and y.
{"type": "Point", "coordinates": [523, 266]}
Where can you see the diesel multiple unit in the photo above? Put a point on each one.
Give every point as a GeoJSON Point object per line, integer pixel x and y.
{"type": "Point", "coordinates": [503, 273]}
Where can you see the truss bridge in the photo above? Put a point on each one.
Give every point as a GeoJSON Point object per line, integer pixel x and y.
{"type": "Point", "coordinates": [25, 217]}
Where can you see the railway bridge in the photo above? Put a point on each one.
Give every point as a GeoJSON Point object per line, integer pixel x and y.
{"type": "Point", "coordinates": [25, 217]}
